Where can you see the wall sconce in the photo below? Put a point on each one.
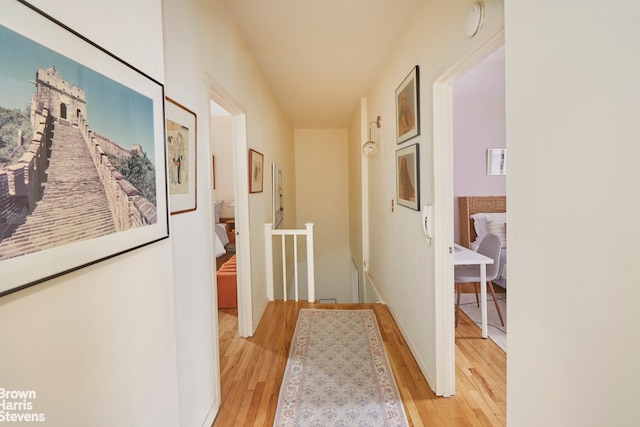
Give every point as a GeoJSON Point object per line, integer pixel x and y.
{"type": "Point", "coordinates": [370, 148]}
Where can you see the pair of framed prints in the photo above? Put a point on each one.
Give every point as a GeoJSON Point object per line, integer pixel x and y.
{"type": "Point", "coordinates": [407, 128]}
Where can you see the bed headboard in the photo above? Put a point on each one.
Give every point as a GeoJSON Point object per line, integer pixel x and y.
{"type": "Point", "coordinates": [469, 205]}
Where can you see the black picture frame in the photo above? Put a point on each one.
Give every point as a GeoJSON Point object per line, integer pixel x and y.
{"type": "Point", "coordinates": [89, 120]}
{"type": "Point", "coordinates": [256, 171]}
{"type": "Point", "coordinates": [408, 176]}
{"type": "Point", "coordinates": [408, 107]}
{"type": "Point", "coordinates": [182, 157]}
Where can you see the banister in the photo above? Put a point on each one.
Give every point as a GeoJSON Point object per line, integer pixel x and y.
{"type": "Point", "coordinates": [269, 232]}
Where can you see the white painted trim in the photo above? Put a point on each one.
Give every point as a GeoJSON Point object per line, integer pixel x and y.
{"type": "Point", "coordinates": [443, 221]}
{"type": "Point", "coordinates": [218, 94]}
{"type": "Point", "coordinates": [211, 415]}
{"type": "Point", "coordinates": [443, 201]}
{"type": "Point", "coordinates": [268, 257]}
{"type": "Point", "coordinates": [311, 269]}
{"type": "Point", "coordinates": [364, 188]}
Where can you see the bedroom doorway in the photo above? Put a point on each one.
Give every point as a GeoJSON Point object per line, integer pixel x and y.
{"type": "Point", "coordinates": [443, 203]}
{"type": "Point", "coordinates": [227, 120]}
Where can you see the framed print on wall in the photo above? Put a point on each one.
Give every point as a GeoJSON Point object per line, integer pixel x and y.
{"type": "Point", "coordinates": [277, 196]}
{"type": "Point", "coordinates": [408, 177]}
{"type": "Point", "coordinates": [182, 157]}
{"type": "Point", "coordinates": [256, 171]}
{"type": "Point", "coordinates": [408, 107]}
{"type": "Point", "coordinates": [84, 177]}
{"type": "Point", "coordinates": [496, 161]}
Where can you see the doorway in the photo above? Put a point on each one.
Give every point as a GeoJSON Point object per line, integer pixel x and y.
{"type": "Point", "coordinates": [444, 207]}
{"type": "Point", "coordinates": [221, 104]}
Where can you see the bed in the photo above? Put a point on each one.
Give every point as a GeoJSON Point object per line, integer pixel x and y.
{"type": "Point", "coordinates": [484, 214]}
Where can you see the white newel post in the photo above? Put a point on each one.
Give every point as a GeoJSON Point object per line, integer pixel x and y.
{"type": "Point", "coordinates": [310, 263]}
{"type": "Point", "coordinates": [268, 252]}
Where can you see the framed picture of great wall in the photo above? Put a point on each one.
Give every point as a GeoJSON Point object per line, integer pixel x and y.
{"type": "Point", "coordinates": [82, 151]}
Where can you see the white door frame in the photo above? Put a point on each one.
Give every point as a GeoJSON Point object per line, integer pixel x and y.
{"type": "Point", "coordinates": [215, 92]}
{"type": "Point", "coordinates": [443, 205]}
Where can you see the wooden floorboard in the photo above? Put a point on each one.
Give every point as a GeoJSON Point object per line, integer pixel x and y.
{"type": "Point", "coordinates": [252, 370]}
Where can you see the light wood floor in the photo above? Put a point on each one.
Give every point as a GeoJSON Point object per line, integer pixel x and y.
{"type": "Point", "coordinates": [252, 371]}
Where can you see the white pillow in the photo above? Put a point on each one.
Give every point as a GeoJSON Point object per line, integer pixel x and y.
{"type": "Point", "coordinates": [496, 216]}
{"type": "Point", "coordinates": [481, 219]}
{"type": "Point", "coordinates": [499, 229]}
{"type": "Point", "coordinates": [480, 225]}
{"type": "Point", "coordinates": [217, 205]}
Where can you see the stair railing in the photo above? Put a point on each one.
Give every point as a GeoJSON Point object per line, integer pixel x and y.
{"type": "Point", "coordinates": [269, 232]}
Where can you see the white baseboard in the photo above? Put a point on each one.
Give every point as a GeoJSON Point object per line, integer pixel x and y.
{"type": "Point", "coordinates": [371, 282]}
{"type": "Point", "coordinates": [211, 415]}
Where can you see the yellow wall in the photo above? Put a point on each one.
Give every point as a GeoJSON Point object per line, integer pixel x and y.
{"type": "Point", "coordinates": [201, 39]}
{"type": "Point", "coordinates": [98, 346]}
{"type": "Point", "coordinates": [323, 198]}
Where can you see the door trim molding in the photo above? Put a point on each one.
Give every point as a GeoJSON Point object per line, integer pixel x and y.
{"type": "Point", "coordinates": [443, 203]}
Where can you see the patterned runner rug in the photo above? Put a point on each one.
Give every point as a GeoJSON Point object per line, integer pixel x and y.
{"type": "Point", "coordinates": [338, 373]}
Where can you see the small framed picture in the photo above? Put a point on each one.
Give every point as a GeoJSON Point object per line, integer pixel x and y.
{"type": "Point", "coordinates": [408, 107]}
{"type": "Point", "coordinates": [408, 177]}
{"type": "Point", "coordinates": [256, 171]}
{"type": "Point", "coordinates": [496, 161]}
{"type": "Point", "coordinates": [181, 155]}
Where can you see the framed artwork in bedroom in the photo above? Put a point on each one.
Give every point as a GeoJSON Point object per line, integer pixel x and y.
{"type": "Point", "coordinates": [496, 161]}
{"type": "Point", "coordinates": [408, 177]}
{"type": "Point", "coordinates": [256, 171]}
{"type": "Point", "coordinates": [408, 107]}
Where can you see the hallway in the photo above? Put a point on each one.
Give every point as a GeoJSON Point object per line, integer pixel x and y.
{"type": "Point", "coordinates": [252, 371]}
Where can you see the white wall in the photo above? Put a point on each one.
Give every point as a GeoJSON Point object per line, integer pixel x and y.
{"type": "Point", "coordinates": [200, 38]}
{"type": "Point", "coordinates": [401, 262]}
{"type": "Point", "coordinates": [222, 149]}
{"type": "Point", "coordinates": [479, 119]}
{"type": "Point", "coordinates": [98, 345]}
{"type": "Point", "coordinates": [573, 97]}
{"type": "Point", "coordinates": [322, 197]}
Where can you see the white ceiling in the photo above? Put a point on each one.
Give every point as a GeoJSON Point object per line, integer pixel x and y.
{"type": "Point", "coordinates": [320, 57]}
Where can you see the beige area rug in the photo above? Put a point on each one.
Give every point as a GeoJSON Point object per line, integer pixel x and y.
{"type": "Point", "coordinates": [338, 373]}
{"type": "Point", "coordinates": [497, 332]}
